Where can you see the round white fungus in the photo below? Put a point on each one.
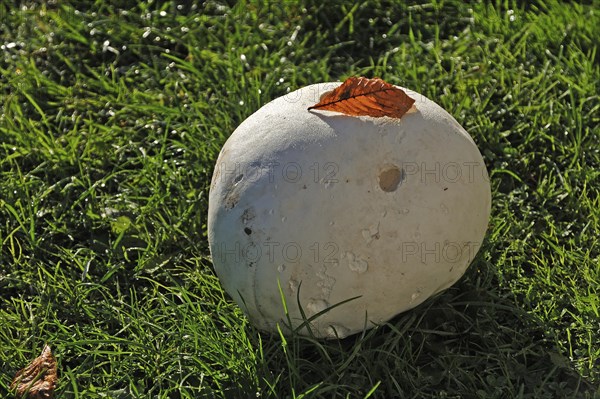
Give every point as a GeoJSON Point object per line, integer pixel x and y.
{"type": "Point", "coordinates": [349, 219]}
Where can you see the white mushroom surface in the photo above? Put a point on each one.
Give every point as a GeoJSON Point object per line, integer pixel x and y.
{"type": "Point", "coordinates": [313, 208]}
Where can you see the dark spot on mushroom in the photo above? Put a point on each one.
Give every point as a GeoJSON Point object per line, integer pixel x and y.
{"type": "Point", "coordinates": [250, 264]}
{"type": "Point", "coordinates": [445, 188]}
{"type": "Point", "coordinates": [390, 176]}
{"type": "Point", "coordinates": [231, 199]}
{"type": "Point", "coordinates": [304, 187]}
{"type": "Point", "coordinates": [347, 180]}
{"type": "Point", "coordinates": [231, 196]}
{"type": "Point", "coordinates": [247, 230]}
{"type": "Point", "coordinates": [238, 178]}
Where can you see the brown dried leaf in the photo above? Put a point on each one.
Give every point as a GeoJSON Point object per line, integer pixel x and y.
{"type": "Point", "coordinates": [368, 97]}
{"type": "Point", "coordinates": [38, 380]}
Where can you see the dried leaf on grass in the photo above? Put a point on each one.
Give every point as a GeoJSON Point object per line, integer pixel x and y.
{"type": "Point", "coordinates": [366, 97]}
{"type": "Point", "coordinates": [38, 379]}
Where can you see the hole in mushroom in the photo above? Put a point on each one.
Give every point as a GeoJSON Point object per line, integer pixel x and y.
{"type": "Point", "coordinates": [238, 178]}
{"type": "Point", "coordinates": [390, 177]}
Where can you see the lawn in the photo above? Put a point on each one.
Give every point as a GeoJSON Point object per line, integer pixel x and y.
{"type": "Point", "coordinates": [111, 119]}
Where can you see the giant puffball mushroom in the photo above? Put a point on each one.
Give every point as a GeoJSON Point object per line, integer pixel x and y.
{"type": "Point", "coordinates": [350, 219]}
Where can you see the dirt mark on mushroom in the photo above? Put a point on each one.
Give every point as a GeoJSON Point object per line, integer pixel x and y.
{"type": "Point", "coordinates": [390, 177]}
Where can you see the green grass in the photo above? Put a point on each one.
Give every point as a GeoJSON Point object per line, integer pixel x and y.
{"type": "Point", "coordinates": [111, 120]}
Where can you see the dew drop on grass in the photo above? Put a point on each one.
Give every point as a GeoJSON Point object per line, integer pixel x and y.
{"type": "Point", "coordinates": [511, 15]}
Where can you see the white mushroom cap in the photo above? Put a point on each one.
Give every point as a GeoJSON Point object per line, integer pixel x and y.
{"type": "Point", "coordinates": [324, 207]}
